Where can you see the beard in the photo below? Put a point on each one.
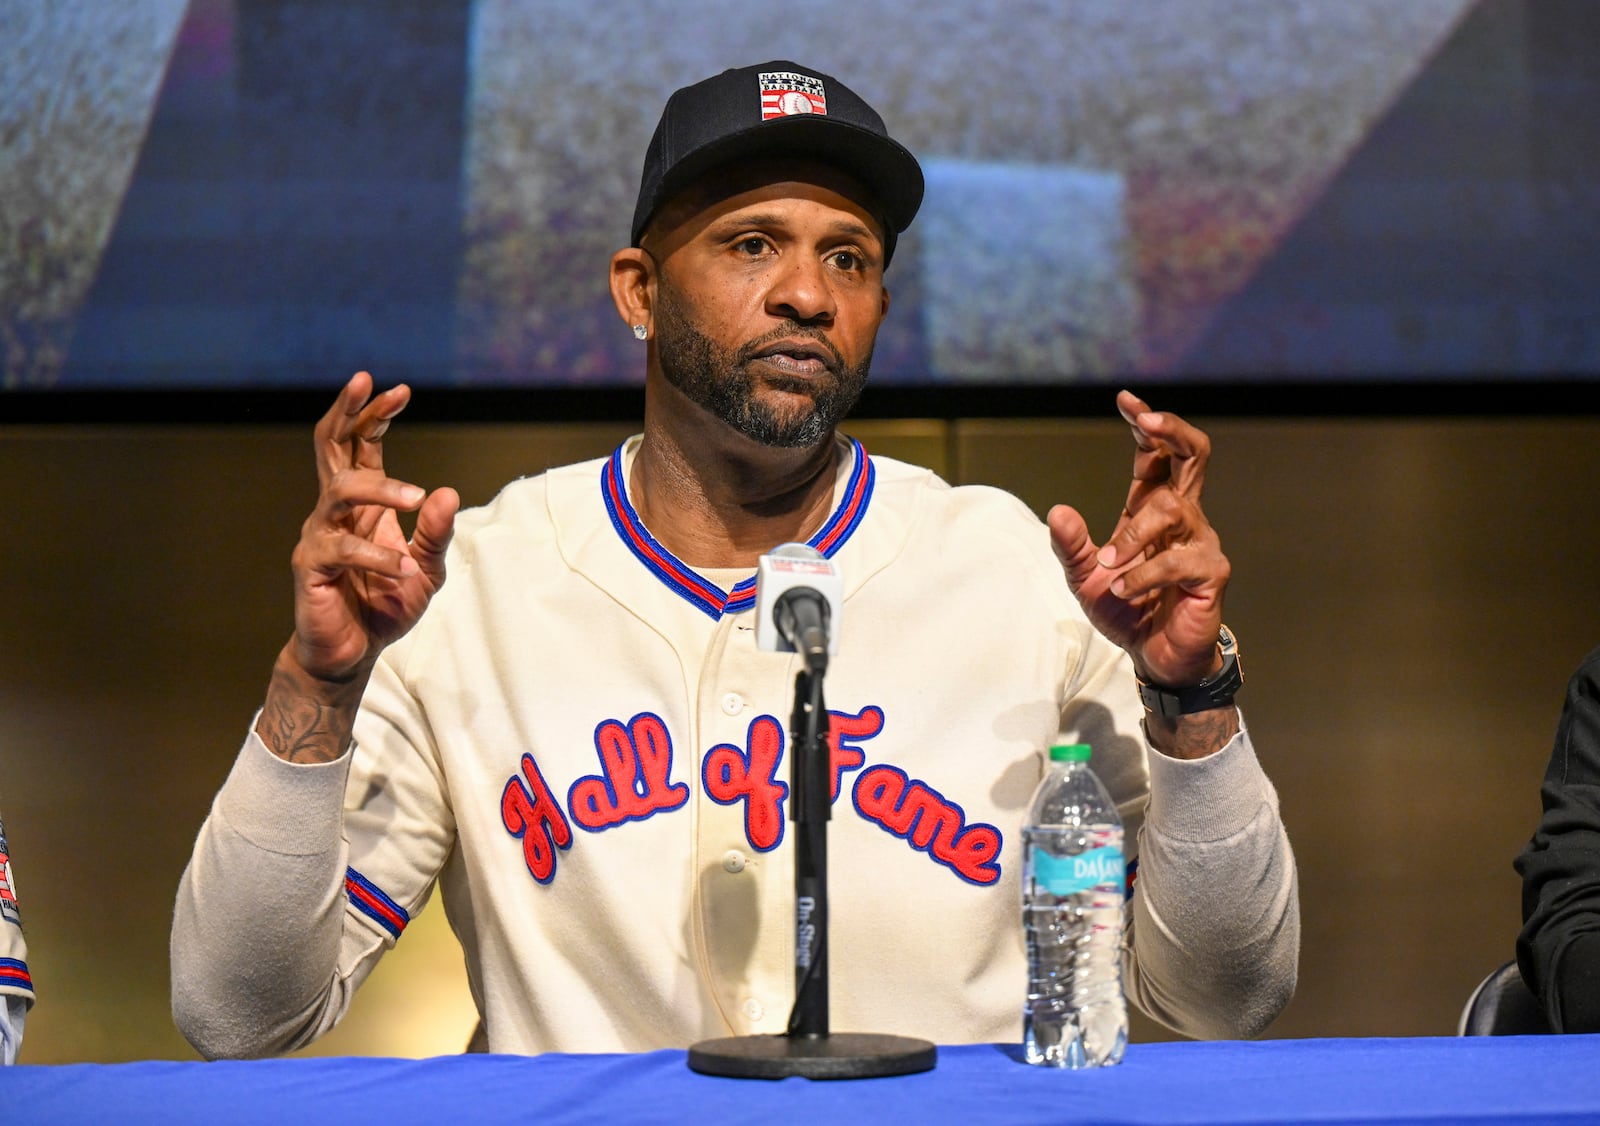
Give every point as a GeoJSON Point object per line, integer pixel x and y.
{"type": "Point", "coordinates": [718, 380]}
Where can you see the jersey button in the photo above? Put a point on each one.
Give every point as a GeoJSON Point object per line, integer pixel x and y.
{"type": "Point", "coordinates": [732, 704]}
{"type": "Point", "coordinates": [733, 861]}
{"type": "Point", "coordinates": [754, 1010]}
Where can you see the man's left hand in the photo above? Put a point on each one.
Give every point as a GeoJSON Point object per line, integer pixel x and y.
{"type": "Point", "coordinates": [1156, 586]}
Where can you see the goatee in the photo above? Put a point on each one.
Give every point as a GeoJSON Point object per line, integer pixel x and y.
{"type": "Point", "coordinates": [718, 380]}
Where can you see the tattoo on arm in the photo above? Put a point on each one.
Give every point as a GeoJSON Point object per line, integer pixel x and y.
{"type": "Point", "coordinates": [1195, 735]}
{"type": "Point", "coordinates": [298, 726]}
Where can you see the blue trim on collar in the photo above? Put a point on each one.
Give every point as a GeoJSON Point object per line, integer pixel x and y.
{"type": "Point", "coordinates": [688, 584]}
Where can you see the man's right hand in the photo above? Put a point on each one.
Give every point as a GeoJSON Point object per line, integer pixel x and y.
{"type": "Point", "coordinates": [358, 583]}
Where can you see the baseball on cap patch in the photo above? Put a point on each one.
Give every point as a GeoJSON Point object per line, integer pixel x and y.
{"type": "Point", "coordinates": [785, 93]}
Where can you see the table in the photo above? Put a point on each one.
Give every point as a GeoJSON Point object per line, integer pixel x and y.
{"type": "Point", "coordinates": [1510, 1079]}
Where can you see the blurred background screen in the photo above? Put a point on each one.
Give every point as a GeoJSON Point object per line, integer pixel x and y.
{"type": "Point", "coordinates": [1291, 201]}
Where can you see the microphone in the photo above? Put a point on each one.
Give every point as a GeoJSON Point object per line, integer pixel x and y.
{"type": "Point", "coordinates": [798, 598]}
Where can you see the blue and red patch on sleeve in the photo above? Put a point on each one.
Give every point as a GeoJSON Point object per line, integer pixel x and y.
{"type": "Point", "coordinates": [365, 897]}
{"type": "Point", "coordinates": [14, 972]}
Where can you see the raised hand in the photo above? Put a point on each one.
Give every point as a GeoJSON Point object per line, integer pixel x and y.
{"type": "Point", "coordinates": [1156, 586]}
{"type": "Point", "coordinates": [359, 583]}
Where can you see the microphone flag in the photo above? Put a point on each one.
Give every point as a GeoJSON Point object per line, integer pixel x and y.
{"type": "Point", "coordinates": [803, 574]}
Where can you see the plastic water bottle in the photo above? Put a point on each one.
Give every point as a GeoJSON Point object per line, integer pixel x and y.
{"type": "Point", "coordinates": [1072, 889]}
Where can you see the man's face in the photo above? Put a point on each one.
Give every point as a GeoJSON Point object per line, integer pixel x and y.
{"type": "Point", "coordinates": [768, 300]}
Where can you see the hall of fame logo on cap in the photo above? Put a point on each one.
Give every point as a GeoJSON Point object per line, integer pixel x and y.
{"type": "Point", "coordinates": [784, 94]}
{"type": "Point", "coordinates": [8, 888]}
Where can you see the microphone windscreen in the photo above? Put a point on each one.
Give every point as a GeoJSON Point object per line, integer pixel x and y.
{"type": "Point", "coordinates": [784, 568]}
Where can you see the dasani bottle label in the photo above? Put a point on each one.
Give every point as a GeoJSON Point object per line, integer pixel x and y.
{"type": "Point", "coordinates": [1068, 875]}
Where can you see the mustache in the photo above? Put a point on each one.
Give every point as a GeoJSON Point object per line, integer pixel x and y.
{"type": "Point", "coordinates": [794, 330]}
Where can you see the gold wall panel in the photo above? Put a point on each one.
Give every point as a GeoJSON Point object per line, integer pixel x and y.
{"type": "Point", "coordinates": [1410, 598]}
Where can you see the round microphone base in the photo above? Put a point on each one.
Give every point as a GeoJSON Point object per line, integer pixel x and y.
{"type": "Point", "coordinates": [844, 1055]}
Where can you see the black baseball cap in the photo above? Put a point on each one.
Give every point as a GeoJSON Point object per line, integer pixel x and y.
{"type": "Point", "coordinates": [778, 108]}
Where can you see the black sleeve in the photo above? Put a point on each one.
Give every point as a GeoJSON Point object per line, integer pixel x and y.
{"type": "Point", "coordinates": [1558, 949]}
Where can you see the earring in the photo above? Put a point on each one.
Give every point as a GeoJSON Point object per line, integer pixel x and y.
{"type": "Point", "coordinates": [640, 332]}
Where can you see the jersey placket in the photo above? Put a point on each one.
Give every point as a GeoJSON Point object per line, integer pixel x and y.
{"type": "Point", "coordinates": [744, 885]}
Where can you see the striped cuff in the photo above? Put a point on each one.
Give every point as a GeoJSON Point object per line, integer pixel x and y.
{"type": "Point", "coordinates": [365, 897]}
{"type": "Point", "coordinates": [14, 972]}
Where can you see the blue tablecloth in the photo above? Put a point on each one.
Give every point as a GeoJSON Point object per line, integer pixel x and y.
{"type": "Point", "coordinates": [1424, 1080]}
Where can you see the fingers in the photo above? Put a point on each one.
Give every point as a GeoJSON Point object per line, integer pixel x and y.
{"type": "Point", "coordinates": [320, 558]}
{"type": "Point", "coordinates": [327, 550]}
{"type": "Point", "coordinates": [359, 505]}
{"type": "Point", "coordinates": [373, 423]}
{"type": "Point", "coordinates": [333, 429]}
{"type": "Point", "coordinates": [353, 525]}
{"type": "Point", "coordinates": [351, 433]}
{"type": "Point", "coordinates": [351, 491]}
{"type": "Point", "coordinates": [1167, 543]}
{"type": "Point", "coordinates": [1169, 451]}
{"type": "Point", "coordinates": [435, 526]}
{"type": "Point", "coordinates": [1069, 537]}
{"type": "Point", "coordinates": [1191, 568]}
{"type": "Point", "coordinates": [1156, 585]}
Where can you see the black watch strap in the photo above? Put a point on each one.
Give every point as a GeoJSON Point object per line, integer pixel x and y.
{"type": "Point", "coordinates": [1213, 692]}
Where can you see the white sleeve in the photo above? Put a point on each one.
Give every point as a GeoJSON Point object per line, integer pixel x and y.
{"type": "Point", "coordinates": [12, 1017]}
{"type": "Point", "coordinates": [304, 876]}
{"type": "Point", "coordinates": [259, 918]}
{"type": "Point", "coordinates": [1215, 910]}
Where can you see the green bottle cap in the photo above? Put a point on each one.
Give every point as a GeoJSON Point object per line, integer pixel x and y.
{"type": "Point", "coordinates": [1070, 752]}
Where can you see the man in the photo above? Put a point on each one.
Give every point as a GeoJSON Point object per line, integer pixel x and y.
{"type": "Point", "coordinates": [581, 743]}
{"type": "Point", "coordinates": [1558, 950]}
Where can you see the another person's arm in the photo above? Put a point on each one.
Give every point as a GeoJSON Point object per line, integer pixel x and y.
{"type": "Point", "coordinates": [16, 982]}
{"type": "Point", "coordinates": [1558, 949]}
{"type": "Point", "coordinates": [264, 957]}
{"type": "Point", "coordinates": [1216, 932]}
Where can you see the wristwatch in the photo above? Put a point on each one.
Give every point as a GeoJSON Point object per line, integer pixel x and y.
{"type": "Point", "coordinates": [1213, 692]}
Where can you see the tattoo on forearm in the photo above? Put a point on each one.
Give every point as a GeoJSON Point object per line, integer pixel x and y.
{"type": "Point", "coordinates": [1195, 735]}
{"type": "Point", "coordinates": [297, 728]}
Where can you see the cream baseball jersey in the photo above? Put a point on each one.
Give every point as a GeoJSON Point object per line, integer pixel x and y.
{"type": "Point", "coordinates": [582, 745]}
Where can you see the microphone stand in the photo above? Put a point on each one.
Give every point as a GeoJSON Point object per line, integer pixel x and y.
{"type": "Point", "coordinates": [808, 1049]}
